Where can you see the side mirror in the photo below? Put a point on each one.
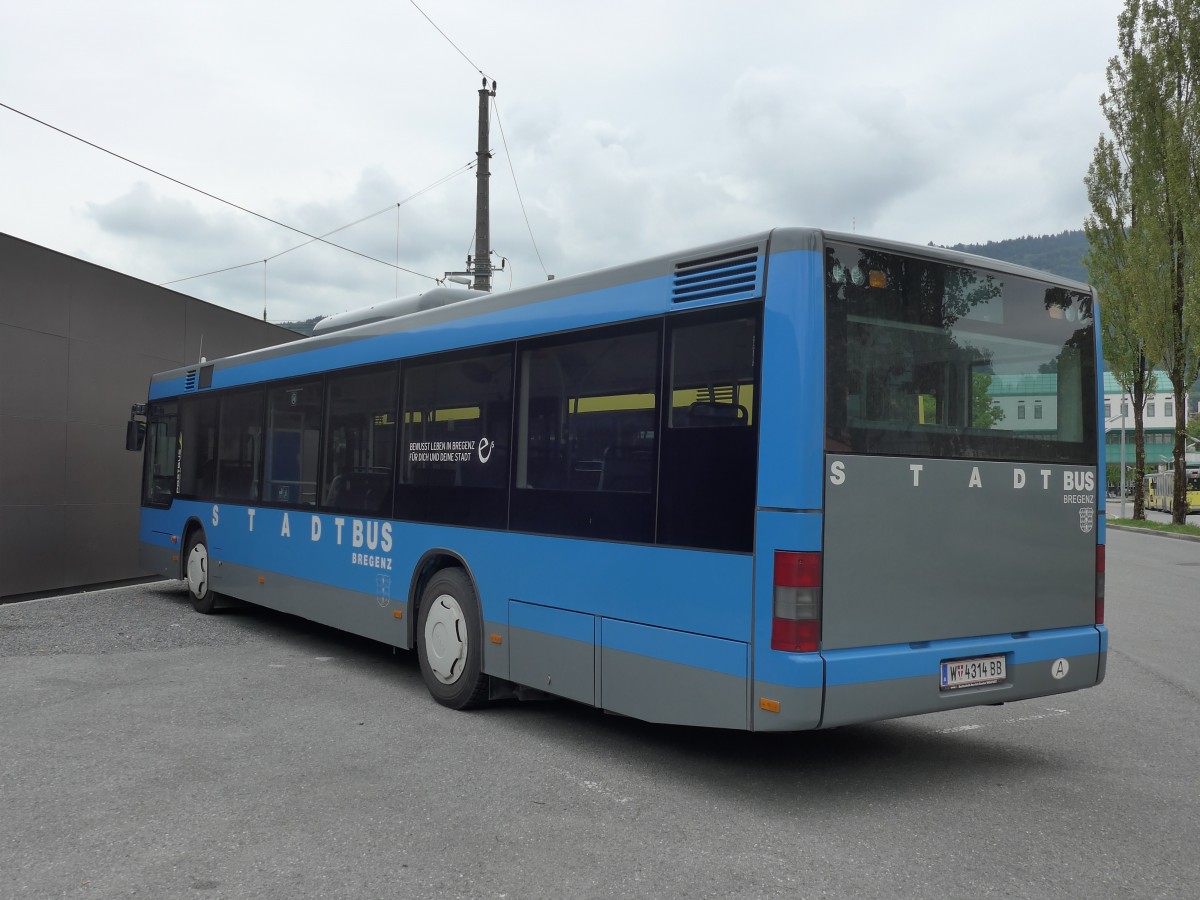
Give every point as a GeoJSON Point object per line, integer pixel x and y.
{"type": "Point", "coordinates": [135, 435]}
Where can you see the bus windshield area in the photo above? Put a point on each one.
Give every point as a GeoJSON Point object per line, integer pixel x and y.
{"type": "Point", "coordinates": [935, 360]}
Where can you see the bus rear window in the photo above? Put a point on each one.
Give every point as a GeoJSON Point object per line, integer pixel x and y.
{"type": "Point", "coordinates": [929, 359]}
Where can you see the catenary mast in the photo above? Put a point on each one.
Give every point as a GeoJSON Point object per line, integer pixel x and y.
{"type": "Point", "coordinates": [481, 265]}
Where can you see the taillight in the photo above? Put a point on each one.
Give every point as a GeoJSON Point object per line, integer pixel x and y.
{"type": "Point", "coordinates": [796, 603]}
{"type": "Point", "coordinates": [1099, 584]}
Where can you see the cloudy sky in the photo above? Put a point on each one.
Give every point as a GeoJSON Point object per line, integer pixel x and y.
{"type": "Point", "coordinates": [633, 128]}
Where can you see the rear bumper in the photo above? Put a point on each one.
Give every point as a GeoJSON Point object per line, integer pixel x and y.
{"type": "Point", "coordinates": [866, 684]}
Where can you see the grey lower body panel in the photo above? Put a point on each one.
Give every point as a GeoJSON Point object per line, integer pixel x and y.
{"type": "Point", "coordinates": [159, 560]}
{"type": "Point", "coordinates": [657, 690]}
{"type": "Point", "coordinates": [643, 687]}
{"type": "Point", "coordinates": [799, 708]}
{"type": "Point", "coordinates": [871, 701]}
{"type": "Point", "coordinates": [557, 665]}
{"type": "Point", "coordinates": [357, 613]}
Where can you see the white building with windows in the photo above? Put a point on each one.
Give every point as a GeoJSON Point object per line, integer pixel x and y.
{"type": "Point", "coordinates": [1158, 420]}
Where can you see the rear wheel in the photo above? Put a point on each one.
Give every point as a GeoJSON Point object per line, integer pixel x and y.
{"type": "Point", "coordinates": [450, 641]}
{"type": "Point", "coordinates": [195, 572]}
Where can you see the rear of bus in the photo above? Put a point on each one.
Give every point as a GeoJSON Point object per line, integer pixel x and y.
{"type": "Point", "coordinates": [937, 540]}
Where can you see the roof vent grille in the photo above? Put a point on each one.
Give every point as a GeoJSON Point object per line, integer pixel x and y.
{"type": "Point", "coordinates": [189, 380]}
{"type": "Point", "coordinates": [733, 275]}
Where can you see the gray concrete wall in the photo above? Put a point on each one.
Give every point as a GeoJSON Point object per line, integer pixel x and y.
{"type": "Point", "coordinates": [78, 344]}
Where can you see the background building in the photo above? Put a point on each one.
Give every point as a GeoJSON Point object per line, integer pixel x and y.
{"type": "Point", "coordinates": [78, 344]}
{"type": "Point", "coordinates": [1158, 420]}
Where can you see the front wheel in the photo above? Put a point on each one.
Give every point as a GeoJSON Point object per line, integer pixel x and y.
{"type": "Point", "coordinates": [204, 599]}
{"type": "Point", "coordinates": [449, 641]}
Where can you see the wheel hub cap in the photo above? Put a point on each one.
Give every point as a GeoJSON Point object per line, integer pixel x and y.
{"type": "Point", "coordinates": [197, 570]}
{"type": "Point", "coordinates": [446, 639]}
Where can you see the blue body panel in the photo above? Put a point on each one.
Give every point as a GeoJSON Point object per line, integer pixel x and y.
{"type": "Point", "coordinates": [551, 620]}
{"type": "Point", "coordinates": [714, 654]}
{"type": "Point", "coordinates": [896, 661]}
{"type": "Point", "coordinates": [791, 531]}
{"type": "Point", "coordinates": [791, 449]}
{"type": "Point", "coordinates": [685, 590]}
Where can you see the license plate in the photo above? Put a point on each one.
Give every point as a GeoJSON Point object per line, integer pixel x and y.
{"type": "Point", "coordinates": [957, 673]}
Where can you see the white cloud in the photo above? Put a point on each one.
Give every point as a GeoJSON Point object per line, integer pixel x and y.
{"type": "Point", "coordinates": [634, 129]}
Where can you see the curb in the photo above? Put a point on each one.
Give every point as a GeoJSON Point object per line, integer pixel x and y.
{"type": "Point", "coordinates": [1132, 528]}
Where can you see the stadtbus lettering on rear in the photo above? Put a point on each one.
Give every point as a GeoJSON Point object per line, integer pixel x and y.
{"type": "Point", "coordinates": [795, 480]}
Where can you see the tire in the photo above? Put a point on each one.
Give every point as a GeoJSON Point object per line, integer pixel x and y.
{"type": "Point", "coordinates": [195, 573]}
{"type": "Point", "coordinates": [450, 641]}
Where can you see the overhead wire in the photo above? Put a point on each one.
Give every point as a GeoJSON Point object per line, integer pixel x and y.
{"type": "Point", "coordinates": [447, 37]}
{"type": "Point", "coordinates": [459, 171]}
{"type": "Point", "coordinates": [311, 237]}
{"type": "Point", "coordinates": [335, 231]}
{"type": "Point", "coordinates": [257, 262]}
{"type": "Point", "coordinates": [211, 196]}
{"type": "Point", "coordinates": [277, 255]}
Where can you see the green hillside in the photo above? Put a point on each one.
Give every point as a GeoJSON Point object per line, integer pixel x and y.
{"type": "Point", "coordinates": [1061, 254]}
{"type": "Point", "coordinates": [305, 328]}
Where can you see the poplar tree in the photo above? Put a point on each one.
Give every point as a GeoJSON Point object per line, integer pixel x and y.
{"type": "Point", "coordinates": [1110, 231]}
{"type": "Point", "coordinates": [1116, 242]}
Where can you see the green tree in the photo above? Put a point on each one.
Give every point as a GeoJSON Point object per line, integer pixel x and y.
{"type": "Point", "coordinates": [1193, 429]}
{"type": "Point", "coordinates": [1169, 68]}
{"type": "Point", "coordinates": [1147, 179]}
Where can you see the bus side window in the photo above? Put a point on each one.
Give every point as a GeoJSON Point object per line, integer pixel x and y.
{"type": "Point", "coordinates": [587, 434]}
{"type": "Point", "coordinates": [454, 448]}
{"type": "Point", "coordinates": [588, 415]}
{"type": "Point", "coordinates": [239, 453]}
{"type": "Point", "coordinates": [293, 442]}
{"type": "Point", "coordinates": [710, 447]}
{"type": "Point", "coordinates": [360, 442]}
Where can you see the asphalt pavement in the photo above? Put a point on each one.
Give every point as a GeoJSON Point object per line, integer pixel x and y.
{"type": "Point", "coordinates": [147, 751]}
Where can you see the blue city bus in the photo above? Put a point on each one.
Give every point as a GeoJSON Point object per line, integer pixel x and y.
{"type": "Point", "coordinates": [766, 484]}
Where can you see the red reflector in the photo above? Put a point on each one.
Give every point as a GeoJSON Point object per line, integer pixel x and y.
{"type": "Point", "coordinates": [795, 635]}
{"type": "Point", "coordinates": [794, 569]}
